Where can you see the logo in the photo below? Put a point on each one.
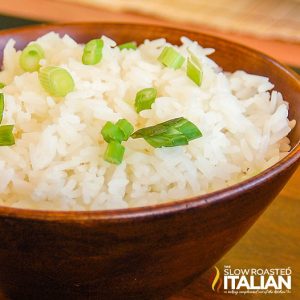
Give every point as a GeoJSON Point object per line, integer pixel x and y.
{"type": "Point", "coordinates": [252, 280]}
{"type": "Point", "coordinates": [216, 281]}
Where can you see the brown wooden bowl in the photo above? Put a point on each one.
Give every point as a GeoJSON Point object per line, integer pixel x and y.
{"type": "Point", "coordinates": [148, 252]}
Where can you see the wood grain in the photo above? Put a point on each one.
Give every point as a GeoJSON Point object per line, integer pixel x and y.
{"type": "Point", "coordinates": [143, 253]}
{"type": "Point", "coordinates": [277, 19]}
{"type": "Point", "coordinates": [273, 241]}
{"type": "Point", "coordinates": [56, 11]}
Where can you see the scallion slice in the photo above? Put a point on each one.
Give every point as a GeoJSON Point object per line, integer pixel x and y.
{"type": "Point", "coordinates": [167, 141]}
{"type": "Point", "coordinates": [130, 45]}
{"type": "Point", "coordinates": [56, 81]}
{"type": "Point", "coordinates": [194, 58]}
{"type": "Point", "coordinates": [194, 72]}
{"type": "Point", "coordinates": [92, 52]}
{"type": "Point", "coordinates": [2, 85]}
{"type": "Point", "coordinates": [144, 99]}
{"type": "Point", "coordinates": [112, 132]}
{"type": "Point", "coordinates": [187, 128]}
{"type": "Point", "coordinates": [6, 135]}
{"type": "Point", "coordinates": [171, 58]}
{"type": "Point", "coordinates": [114, 153]}
{"type": "Point", "coordinates": [1, 106]}
{"type": "Point", "coordinates": [31, 56]}
{"type": "Point", "coordinates": [126, 128]}
{"type": "Point", "coordinates": [194, 68]}
{"type": "Point", "coordinates": [171, 133]}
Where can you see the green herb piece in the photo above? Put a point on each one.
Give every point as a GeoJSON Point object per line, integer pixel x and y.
{"type": "Point", "coordinates": [171, 133]}
{"type": "Point", "coordinates": [126, 128]}
{"type": "Point", "coordinates": [56, 81]}
{"type": "Point", "coordinates": [2, 85]}
{"type": "Point", "coordinates": [30, 57]}
{"type": "Point", "coordinates": [181, 125]}
{"type": "Point", "coordinates": [6, 135]}
{"type": "Point", "coordinates": [1, 106]}
{"type": "Point", "coordinates": [92, 52]}
{"type": "Point", "coordinates": [194, 72]}
{"type": "Point", "coordinates": [112, 132]}
{"type": "Point", "coordinates": [186, 127]}
{"type": "Point", "coordinates": [130, 45]}
{"type": "Point", "coordinates": [167, 140]}
{"type": "Point", "coordinates": [194, 58]}
{"type": "Point", "coordinates": [194, 68]}
{"type": "Point", "coordinates": [114, 153]}
{"type": "Point", "coordinates": [171, 58]}
{"type": "Point", "coordinates": [144, 99]}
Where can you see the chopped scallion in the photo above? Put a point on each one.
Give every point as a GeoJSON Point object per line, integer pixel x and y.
{"type": "Point", "coordinates": [171, 58]}
{"type": "Point", "coordinates": [30, 57]}
{"type": "Point", "coordinates": [130, 45]}
{"type": "Point", "coordinates": [56, 81]}
{"type": "Point", "coordinates": [187, 128]}
{"type": "Point", "coordinates": [92, 52]}
{"type": "Point", "coordinates": [112, 132]}
{"type": "Point", "coordinates": [171, 133]}
{"type": "Point", "coordinates": [6, 135]}
{"type": "Point", "coordinates": [167, 141]}
{"type": "Point", "coordinates": [1, 106]}
{"type": "Point", "coordinates": [2, 85]}
{"type": "Point", "coordinates": [194, 58]}
{"type": "Point", "coordinates": [126, 128]}
{"type": "Point", "coordinates": [114, 153]}
{"type": "Point", "coordinates": [144, 99]}
{"type": "Point", "coordinates": [194, 72]}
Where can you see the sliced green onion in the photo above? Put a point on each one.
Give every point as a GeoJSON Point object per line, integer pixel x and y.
{"type": "Point", "coordinates": [167, 141]}
{"type": "Point", "coordinates": [171, 133]}
{"type": "Point", "coordinates": [126, 128]}
{"type": "Point", "coordinates": [114, 153]}
{"type": "Point", "coordinates": [2, 85]}
{"type": "Point", "coordinates": [181, 125]}
{"type": "Point", "coordinates": [194, 58]}
{"type": "Point", "coordinates": [130, 45]}
{"type": "Point", "coordinates": [144, 99]}
{"type": "Point", "coordinates": [92, 52]}
{"type": "Point", "coordinates": [6, 135]}
{"type": "Point", "coordinates": [194, 73]}
{"type": "Point", "coordinates": [187, 128]}
{"type": "Point", "coordinates": [171, 58]}
{"type": "Point", "coordinates": [112, 132]}
{"type": "Point", "coordinates": [56, 81]}
{"type": "Point", "coordinates": [1, 106]}
{"type": "Point", "coordinates": [30, 57]}
{"type": "Point", "coordinates": [150, 131]}
{"type": "Point", "coordinates": [194, 68]}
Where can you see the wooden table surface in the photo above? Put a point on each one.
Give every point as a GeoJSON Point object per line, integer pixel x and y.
{"type": "Point", "coordinates": [274, 241]}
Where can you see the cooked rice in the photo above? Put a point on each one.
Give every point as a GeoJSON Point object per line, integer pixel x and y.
{"type": "Point", "coordinates": [57, 162]}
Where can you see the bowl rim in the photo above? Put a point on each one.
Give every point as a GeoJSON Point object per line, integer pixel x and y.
{"type": "Point", "coordinates": [174, 206]}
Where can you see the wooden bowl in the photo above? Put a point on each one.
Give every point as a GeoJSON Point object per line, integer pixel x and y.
{"type": "Point", "coordinates": [148, 252]}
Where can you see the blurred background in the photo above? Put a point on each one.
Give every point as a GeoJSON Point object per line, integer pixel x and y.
{"type": "Point", "coordinates": [272, 26]}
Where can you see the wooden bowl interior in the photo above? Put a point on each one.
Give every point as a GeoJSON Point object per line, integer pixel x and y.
{"type": "Point", "coordinates": [228, 55]}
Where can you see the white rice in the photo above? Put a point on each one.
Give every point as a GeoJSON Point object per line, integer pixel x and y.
{"type": "Point", "coordinates": [57, 161]}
